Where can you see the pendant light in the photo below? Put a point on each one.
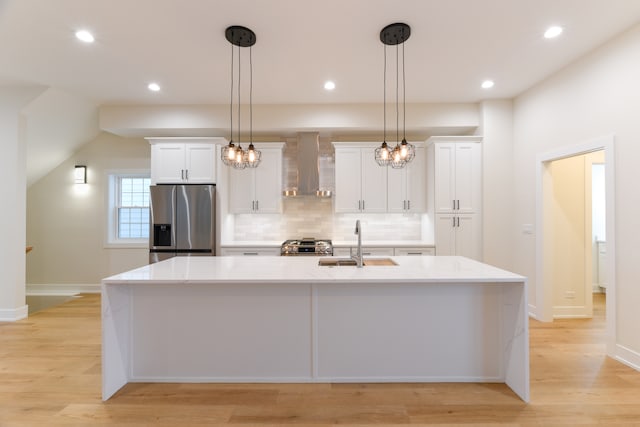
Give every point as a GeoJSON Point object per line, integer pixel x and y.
{"type": "Point", "coordinates": [233, 155]}
{"type": "Point", "coordinates": [403, 152]}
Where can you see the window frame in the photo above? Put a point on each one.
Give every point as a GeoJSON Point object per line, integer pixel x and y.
{"type": "Point", "coordinates": [113, 180]}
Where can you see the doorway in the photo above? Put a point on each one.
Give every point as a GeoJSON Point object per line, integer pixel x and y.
{"type": "Point", "coordinates": [558, 236]}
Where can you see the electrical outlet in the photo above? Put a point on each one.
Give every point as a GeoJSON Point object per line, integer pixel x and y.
{"type": "Point", "coordinates": [570, 294]}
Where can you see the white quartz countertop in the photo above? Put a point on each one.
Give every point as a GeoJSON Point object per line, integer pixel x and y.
{"type": "Point", "coordinates": [266, 269]}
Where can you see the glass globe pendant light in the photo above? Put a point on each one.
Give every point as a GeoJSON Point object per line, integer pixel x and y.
{"type": "Point", "coordinates": [231, 154]}
{"type": "Point", "coordinates": [398, 156]}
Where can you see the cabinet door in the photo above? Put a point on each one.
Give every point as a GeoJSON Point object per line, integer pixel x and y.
{"type": "Point", "coordinates": [445, 235]}
{"type": "Point", "coordinates": [348, 180]}
{"type": "Point", "coordinates": [374, 183]}
{"type": "Point", "coordinates": [467, 177]}
{"type": "Point", "coordinates": [397, 190]}
{"type": "Point", "coordinates": [467, 232]}
{"type": "Point", "coordinates": [375, 251]}
{"type": "Point", "coordinates": [241, 190]}
{"type": "Point", "coordinates": [416, 182]}
{"type": "Point", "coordinates": [167, 163]}
{"type": "Point", "coordinates": [268, 182]}
{"type": "Point", "coordinates": [200, 163]}
{"type": "Point", "coordinates": [444, 177]}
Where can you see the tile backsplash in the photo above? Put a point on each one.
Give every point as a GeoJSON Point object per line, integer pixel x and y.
{"type": "Point", "coordinates": [310, 216]}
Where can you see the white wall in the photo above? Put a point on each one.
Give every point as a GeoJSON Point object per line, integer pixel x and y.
{"type": "Point", "coordinates": [13, 195]}
{"type": "Point", "coordinates": [598, 95]}
{"type": "Point", "coordinates": [66, 222]}
{"type": "Point", "coordinates": [497, 182]}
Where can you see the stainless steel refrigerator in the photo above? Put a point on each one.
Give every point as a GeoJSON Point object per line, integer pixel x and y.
{"type": "Point", "coordinates": [182, 221]}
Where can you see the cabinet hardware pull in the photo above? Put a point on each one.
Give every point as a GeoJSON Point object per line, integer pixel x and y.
{"type": "Point", "coordinates": [363, 205]}
{"type": "Point", "coordinates": [454, 221]}
{"type": "Point", "coordinates": [414, 253]}
{"type": "Point", "coordinates": [408, 205]}
{"type": "Point", "coordinates": [257, 205]}
{"type": "Point", "coordinates": [186, 174]}
{"type": "Point", "coordinates": [458, 204]}
{"type": "Point", "coordinates": [182, 174]}
{"type": "Point", "coordinates": [250, 253]}
{"type": "Point", "coordinates": [458, 222]}
{"type": "Point", "coordinates": [253, 205]}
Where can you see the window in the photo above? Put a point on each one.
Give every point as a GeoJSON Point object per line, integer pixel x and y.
{"type": "Point", "coordinates": [128, 209]}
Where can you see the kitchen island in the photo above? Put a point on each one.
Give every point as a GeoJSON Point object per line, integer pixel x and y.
{"type": "Point", "coordinates": [287, 319]}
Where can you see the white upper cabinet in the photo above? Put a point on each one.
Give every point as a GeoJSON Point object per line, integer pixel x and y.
{"type": "Point", "coordinates": [407, 187]}
{"type": "Point", "coordinates": [457, 177]}
{"type": "Point", "coordinates": [361, 184]}
{"type": "Point", "coordinates": [183, 160]}
{"type": "Point", "coordinates": [258, 190]}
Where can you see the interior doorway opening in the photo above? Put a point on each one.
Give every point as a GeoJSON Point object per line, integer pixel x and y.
{"type": "Point", "coordinates": [568, 266]}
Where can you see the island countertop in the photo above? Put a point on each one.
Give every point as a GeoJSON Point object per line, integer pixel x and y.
{"type": "Point", "coordinates": [287, 319]}
{"type": "Point", "coordinates": [409, 269]}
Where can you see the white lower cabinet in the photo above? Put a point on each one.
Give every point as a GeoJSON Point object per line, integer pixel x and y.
{"type": "Point", "coordinates": [249, 251]}
{"type": "Point", "coordinates": [418, 251]}
{"type": "Point", "coordinates": [376, 251]}
{"type": "Point", "coordinates": [458, 234]}
{"type": "Point", "coordinates": [385, 251]}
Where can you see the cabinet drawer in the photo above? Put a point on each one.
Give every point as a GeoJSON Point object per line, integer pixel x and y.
{"type": "Point", "coordinates": [250, 251]}
{"type": "Point", "coordinates": [414, 251]}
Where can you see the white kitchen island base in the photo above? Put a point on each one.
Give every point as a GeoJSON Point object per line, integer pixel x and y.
{"type": "Point", "coordinates": [279, 319]}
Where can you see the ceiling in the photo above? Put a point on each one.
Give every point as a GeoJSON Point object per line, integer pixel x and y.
{"type": "Point", "coordinates": [180, 44]}
{"type": "Point", "coordinates": [454, 46]}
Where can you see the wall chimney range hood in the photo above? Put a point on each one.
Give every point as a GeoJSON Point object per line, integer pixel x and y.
{"type": "Point", "coordinates": [308, 168]}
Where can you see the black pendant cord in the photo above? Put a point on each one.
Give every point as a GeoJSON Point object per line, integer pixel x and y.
{"type": "Point", "coordinates": [397, 103]}
{"type": "Point", "coordinates": [404, 101]}
{"type": "Point", "coordinates": [239, 86]}
{"type": "Point", "coordinates": [231, 103]}
{"type": "Point", "coordinates": [384, 95]}
{"type": "Point", "coordinates": [250, 97]}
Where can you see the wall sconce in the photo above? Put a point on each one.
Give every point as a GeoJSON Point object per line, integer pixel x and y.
{"type": "Point", "coordinates": [80, 174]}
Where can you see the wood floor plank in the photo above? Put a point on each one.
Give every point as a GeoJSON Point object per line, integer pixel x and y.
{"type": "Point", "coordinates": [50, 374]}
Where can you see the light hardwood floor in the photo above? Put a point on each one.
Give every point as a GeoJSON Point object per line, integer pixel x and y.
{"type": "Point", "coordinates": [50, 376]}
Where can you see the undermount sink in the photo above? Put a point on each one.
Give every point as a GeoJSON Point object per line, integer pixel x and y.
{"type": "Point", "coordinates": [339, 262]}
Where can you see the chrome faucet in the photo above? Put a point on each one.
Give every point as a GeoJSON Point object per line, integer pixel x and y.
{"type": "Point", "coordinates": [358, 256]}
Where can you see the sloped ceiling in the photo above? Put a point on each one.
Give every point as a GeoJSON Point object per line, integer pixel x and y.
{"type": "Point", "coordinates": [57, 125]}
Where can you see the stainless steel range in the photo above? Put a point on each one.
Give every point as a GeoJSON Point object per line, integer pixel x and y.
{"type": "Point", "coordinates": [307, 246]}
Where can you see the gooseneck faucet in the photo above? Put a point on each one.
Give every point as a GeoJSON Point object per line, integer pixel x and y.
{"type": "Point", "coordinates": [358, 256]}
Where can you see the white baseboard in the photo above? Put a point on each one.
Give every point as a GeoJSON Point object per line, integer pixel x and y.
{"type": "Point", "coordinates": [628, 357]}
{"type": "Point", "coordinates": [532, 311]}
{"type": "Point", "coordinates": [14, 314]}
{"type": "Point", "coordinates": [62, 289]}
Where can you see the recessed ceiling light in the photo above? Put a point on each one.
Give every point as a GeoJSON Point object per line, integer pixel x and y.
{"type": "Point", "coordinates": [329, 85]}
{"type": "Point", "coordinates": [487, 84]}
{"type": "Point", "coordinates": [552, 32]}
{"type": "Point", "coordinates": [155, 87]}
{"type": "Point", "coordinates": [85, 36]}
